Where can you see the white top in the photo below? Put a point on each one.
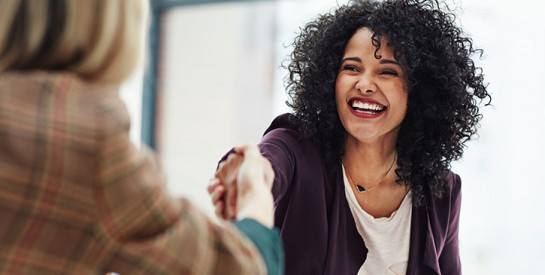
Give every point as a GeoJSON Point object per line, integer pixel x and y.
{"type": "Point", "coordinates": [387, 239]}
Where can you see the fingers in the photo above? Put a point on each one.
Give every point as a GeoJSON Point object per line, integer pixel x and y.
{"type": "Point", "coordinates": [226, 175]}
{"type": "Point", "coordinates": [247, 149]}
{"type": "Point", "coordinates": [216, 190]}
{"type": "Point", "coordinates": [238, 178]}
{"type": "Point", "coordinates": [212, 185]}
{"type": "Point", "coordinates": [254, 180]}
{"type": "Point", "coordinates": [228, 168]}
{"type": "Point", "coordinates": [231, 186]}
{"type": "Point", "coordinates": [256, 165]}
{"type": "Point", "coordinates": [218, 194]}
{"type": "Point", "coordinates": [220, 209]}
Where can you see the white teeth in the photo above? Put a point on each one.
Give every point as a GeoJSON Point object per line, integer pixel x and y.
{"type": "Point", "coordinates": [366, 112]}
{"type": "Point", "coordinates": [367, 106]}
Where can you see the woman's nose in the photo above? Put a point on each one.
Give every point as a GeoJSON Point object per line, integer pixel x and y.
{"type": "Point", "coordinates": [366, 85]}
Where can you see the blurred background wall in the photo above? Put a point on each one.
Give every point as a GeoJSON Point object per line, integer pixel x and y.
{"type": "Point", "coordinates": [218, 83]}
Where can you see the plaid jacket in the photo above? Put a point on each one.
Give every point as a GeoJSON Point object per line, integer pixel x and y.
{"type": "Point", "coordinates": [76, 197]}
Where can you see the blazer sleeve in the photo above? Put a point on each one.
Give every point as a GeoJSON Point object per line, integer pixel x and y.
{"type": "Point", "coordinates": [143, 230]}
{"type": "Point", "coordinates": [449, 259]}
{"type": "Point", "coordinates": [278, 147]}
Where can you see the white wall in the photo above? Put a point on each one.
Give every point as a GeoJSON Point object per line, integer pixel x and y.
{"type": "Point", "coordinates": [501, 226]}
{"type": "Point", "coordinates": [215, 90]}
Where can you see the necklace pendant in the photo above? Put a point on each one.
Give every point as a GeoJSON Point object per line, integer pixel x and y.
{"type": "Point", "coordinates": [360, 188]}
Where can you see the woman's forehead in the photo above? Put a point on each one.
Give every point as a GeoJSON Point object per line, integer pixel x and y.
{"type": "Point", "coordinates": [361, 42]}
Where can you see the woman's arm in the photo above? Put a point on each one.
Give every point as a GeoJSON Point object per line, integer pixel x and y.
{"type": "Point", "coordinates": [141, 229]}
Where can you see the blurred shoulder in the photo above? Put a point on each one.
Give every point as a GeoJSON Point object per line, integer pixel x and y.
{"type": "Point", "coordinates": [65, 101]}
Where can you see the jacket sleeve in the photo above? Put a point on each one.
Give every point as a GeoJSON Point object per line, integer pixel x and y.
{"type": "Point", "coordinates": [278, 147]}
{"type": "Point", "coordinates": [267, 242]}
{"type": "Point", "coordinates": [143, 230]}
{"type": "Point", "coordinates": [449, 260]}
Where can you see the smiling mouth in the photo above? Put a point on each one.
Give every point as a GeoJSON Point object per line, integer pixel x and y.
{"type": "Point", "coordinates": [366, 107]}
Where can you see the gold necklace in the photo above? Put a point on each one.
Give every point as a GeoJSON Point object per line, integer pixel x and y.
{"type": "Point", "coordinates": [362, 189]}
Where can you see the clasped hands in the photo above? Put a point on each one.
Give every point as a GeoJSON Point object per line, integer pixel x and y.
{"type": "Point", "coordinates": [241, 187]}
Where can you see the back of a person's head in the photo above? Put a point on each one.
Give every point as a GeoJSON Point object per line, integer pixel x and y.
{"type": "Point", "coordinates": [98, 40]}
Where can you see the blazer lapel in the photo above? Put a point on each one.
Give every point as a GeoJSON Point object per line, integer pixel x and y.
{"type": "Point", "coordinates": [423, 258]}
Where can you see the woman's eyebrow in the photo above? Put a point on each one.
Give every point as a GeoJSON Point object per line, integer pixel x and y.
{"type": "Point", "coordinates": [382, 60]}
{"type": "Point", "coordinates": [357, 59]}
{"type": "Point", "coordinates": [388, 61]}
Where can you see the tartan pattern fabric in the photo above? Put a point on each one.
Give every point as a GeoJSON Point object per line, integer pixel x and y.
{"type": "Point", "coordinates": [77, 197]}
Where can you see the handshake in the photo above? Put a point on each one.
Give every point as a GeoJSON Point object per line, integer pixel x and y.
{"type": "Point", "coordinates": [241, 187]}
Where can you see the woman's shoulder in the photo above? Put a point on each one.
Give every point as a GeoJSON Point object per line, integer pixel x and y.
{"type": "Point", "coordinates": [64, 98]}
{"type": "Point", "coordinates": [284, 130]}
{"type": "Point", "coordinates": [57, 86]}
{"type": "Point", "coordinates": [284, 138]}
{"type": "Point", "coordinates": [454, 183]}
{"type": "Point", "coordinates": [451, 196]}
{"type": "Point", "coordinates": [286, 122]}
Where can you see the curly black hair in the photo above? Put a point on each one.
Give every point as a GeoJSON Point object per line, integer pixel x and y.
{"type": "Point", "coordinates": [445, 87]}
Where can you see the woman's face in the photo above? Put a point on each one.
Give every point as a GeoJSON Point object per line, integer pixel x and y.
{"type": "Point", "coordinates": [371, 93]}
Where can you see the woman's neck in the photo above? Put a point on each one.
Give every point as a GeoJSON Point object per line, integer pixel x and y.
{"type": "Point", "coordinates": [370, 158]}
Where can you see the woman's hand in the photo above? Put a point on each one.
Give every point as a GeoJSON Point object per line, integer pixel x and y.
{"type": "Point", "coordinates": [241, 187]}
{"type": "Point", "coordinates": [216, 190]}
{"type": "Point", "coordinates": [223, 187]}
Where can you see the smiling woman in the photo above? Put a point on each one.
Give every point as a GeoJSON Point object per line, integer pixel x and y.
{"type": "Point", "coordinates": [384, 97]}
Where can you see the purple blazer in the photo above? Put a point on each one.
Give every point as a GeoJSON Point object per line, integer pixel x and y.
{"type": "Point", "coordinates": [317, 227]}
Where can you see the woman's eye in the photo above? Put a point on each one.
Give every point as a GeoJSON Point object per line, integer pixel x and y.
{"type": "Point", "coordinates": [389, 72]}
{"type": "Point", "coordinates": [351, 68]}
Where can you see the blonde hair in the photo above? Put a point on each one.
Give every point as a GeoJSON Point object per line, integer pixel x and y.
{"type": "Point", "coordinates": [99, 40]}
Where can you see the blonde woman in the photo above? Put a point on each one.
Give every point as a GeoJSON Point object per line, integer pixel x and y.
{"type": "Point", "coordinates": [76, 197]}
